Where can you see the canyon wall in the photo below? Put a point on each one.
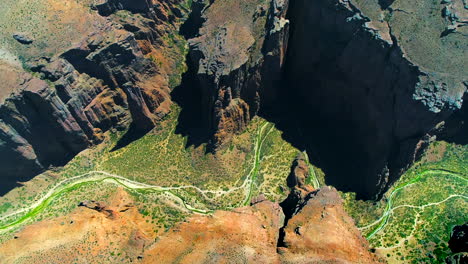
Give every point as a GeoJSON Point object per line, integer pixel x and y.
{"type": "Point", "coordinates": [360, 85]}
{"type": "Point", "coordinates": [237, 56]}
{"type": "Point", "coordinates": [371, 102]}
{"type": "Point", "coordinates": [61, 105]}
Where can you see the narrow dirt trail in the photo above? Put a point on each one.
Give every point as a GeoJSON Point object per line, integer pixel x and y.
{"type": "Point", "coordinates": [72, 183]}
{"type": "Point", "coordinates": [389, 209]}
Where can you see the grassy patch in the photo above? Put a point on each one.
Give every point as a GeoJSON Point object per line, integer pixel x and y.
{"type": "Point", "coordinates": [413, 222]}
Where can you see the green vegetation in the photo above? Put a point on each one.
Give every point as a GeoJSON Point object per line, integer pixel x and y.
{"type": "Point", "coordinates": [413, 222]}
{"type": "Point", "coordinates": [160, 167]}
{"type": "Point", "coordinates": [76, 183]}
{"type": "Point", "coordinates": [418, 26]}
{"type": "Point", "coordinates": [258, 155]}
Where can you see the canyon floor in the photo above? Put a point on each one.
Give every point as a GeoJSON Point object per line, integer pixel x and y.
{"type": "Point", "coordinates": [406, 226]}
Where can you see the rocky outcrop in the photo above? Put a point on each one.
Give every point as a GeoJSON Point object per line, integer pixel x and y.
{"type": "Point", "coordinates": [40, 129]}
{"type": "Point", "coordinates": [120, 64]}
{"type": "Point", "coordinates": [298, 189]}
{"type": "Point", "coordinates": [322, 232]}
{"type": "Point", "coordinates": [63, 104]}
{"type": "Point", "coordinates": [22, 38]}
{"type": "Point", "coordinates": [244, 235]}
{"type": "Point", "coordinates": [317, 229]}
{"type": "Point", "coordinates": [237, 58]}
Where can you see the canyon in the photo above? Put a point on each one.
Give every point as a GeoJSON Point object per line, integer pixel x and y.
{"type": "Point", "coordinates": [340, 84]}
{"type": "Point", "coordinates": [61, 105]}
{"type": "Point", "coordinates": [310, 226]}
{"type": "Point", "coordinates": [356, 89]}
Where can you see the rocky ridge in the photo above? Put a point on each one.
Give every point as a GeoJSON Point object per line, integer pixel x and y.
{"type": "Point", "coordinates": [63, 104]}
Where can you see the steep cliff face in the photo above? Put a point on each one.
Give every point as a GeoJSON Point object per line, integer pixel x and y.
{"type": "Point", "coordinates": [237, 59]}
{"type": "Point", "coordinates": [65, 102]}
{"type": "Point", "coordinates": [361, 83]}
{"type": "Point", "coordinates": [372, 99]}
{"type": "Point", "coordinates": [362, 86]}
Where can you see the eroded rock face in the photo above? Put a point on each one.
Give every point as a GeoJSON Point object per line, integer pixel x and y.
{"type": "Point", "coordinates": [237, 59]}
{"type": "Point", "coordinates": [298, 189]}
{"type": "Point", "coordinates": [105, 82]}
{"type": "Point", "coordinates": [350, 75]}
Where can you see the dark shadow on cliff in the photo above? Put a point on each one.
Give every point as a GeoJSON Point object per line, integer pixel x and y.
{"type": "Point", "coordinates": [327, 140]}
{"type": "Point", "coordinates": [188, 95]}
{"type": "Point", "coordinates": [318, 114]}
{"type": "Point", "coordinates": [7, 185]}
{"type": "Point", "coordinates": [384, 4]}
{"type": "Point", "coordinates": [16, 173]}
{"type": "Point", "coordinates": [132, 134]}
{"type": "Point", "coordinates": [191, 123]}
{"type": "Point", "coordinates": [191, 26]}
{"type": "Point", "coordinates": [456, 127]}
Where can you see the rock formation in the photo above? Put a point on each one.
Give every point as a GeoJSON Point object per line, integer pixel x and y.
{"type": "Point", "coordinates": [63, 104]}
{"type": "Point", "coordinates": [372, 96]}
{"type": "Point", "coordinates": [351, 76]}
{"type": "Point", "coordinates": [237, 58]}
{"type": "Point", "coordinates": [298, 188]}
{"type": "Point", "coordinates": [320, 232]}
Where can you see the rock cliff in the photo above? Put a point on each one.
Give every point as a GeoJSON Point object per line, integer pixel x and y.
{"type": "Point", "coordinates": [62, 104]}
{"type": "Point", "coordinates": [364, 83]}
{"type": "Point", "coordinates": [373, 96]}
{"type": "Point", "coordinates": [237, 59]}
